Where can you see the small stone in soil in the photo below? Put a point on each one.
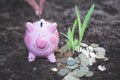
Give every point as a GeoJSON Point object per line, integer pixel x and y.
{"type": "Point", "coordinates": [54, 69]}
{"type": "Point", "coordinates": [59, 54]}
{"type": "Point", "coordinates": [34, 68]}
{"type": "Point", "coordinates": [60, 66]}
{"type": "Point", "coordinates": [63, 60]}
{"type": "Point", "coordinates": [68, 54]}
{"type": "Point", "coordinates": [63, 49]}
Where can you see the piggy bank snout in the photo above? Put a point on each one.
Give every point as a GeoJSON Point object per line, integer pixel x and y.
{"type": "Point", "coordinates": [41, 43]}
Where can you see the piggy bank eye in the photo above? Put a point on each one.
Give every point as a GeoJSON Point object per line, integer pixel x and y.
{"type": "Point", "coordinates": [41, 24]}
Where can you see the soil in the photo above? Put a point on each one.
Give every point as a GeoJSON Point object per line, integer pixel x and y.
{"type": "Point", "coordinates": [103, 29]}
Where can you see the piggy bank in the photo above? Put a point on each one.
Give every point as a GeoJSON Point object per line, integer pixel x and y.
{"type": "Point", "coordinates": [41, 39]}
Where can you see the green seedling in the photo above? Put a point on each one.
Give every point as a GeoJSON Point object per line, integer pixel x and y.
{"type": "Point", "coordinates": [82, 27]}
{"type": "Point", "coordinates": [72, 42]}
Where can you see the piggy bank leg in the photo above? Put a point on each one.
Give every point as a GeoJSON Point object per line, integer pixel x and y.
{"type": "Point", "coordinates": [31, 57]}
{"type": "Point", "coordinates": [51, 58]}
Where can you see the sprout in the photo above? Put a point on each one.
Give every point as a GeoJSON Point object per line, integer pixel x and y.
{"type": "Point", "coordinates": [72, 42]}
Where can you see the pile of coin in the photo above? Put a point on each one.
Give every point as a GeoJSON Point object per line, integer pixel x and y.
{"type": "Point", "coordinates": [75, 67]}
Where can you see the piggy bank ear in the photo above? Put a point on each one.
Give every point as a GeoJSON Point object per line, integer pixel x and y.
{"type": "Point", "coordinates": [29, 26]}
{"type": "Point", "coordinates": [53, 27]}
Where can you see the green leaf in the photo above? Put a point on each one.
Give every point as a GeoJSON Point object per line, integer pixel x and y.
{"type": "Point", "coordinates": [73, 28]}
{"type": "Point", "coordinates": [75, 43]}
{"type": "Point", "coordinates": [69, 45]}
{"type": "Point", "coordinates": [70, 38]}
{"type": "Point", "coordinates": [69, 32]}
{"type": "Point", "coordinates": [77, 48]}
{"type": "Point", "coordinates": [64, 34]}
{"type": "Point", "coordinates": [79, 21]}
{"type": "Point", "coordinates": [78, 16]}
{"type": "Point", "coordinates": [86, 20]}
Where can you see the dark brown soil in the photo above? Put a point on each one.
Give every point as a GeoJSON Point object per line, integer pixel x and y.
{"type": "Point", "coordinates": [103, 29]}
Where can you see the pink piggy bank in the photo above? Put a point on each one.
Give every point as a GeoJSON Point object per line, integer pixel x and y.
{"type": "Point", "coordinates": [41, 39]}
